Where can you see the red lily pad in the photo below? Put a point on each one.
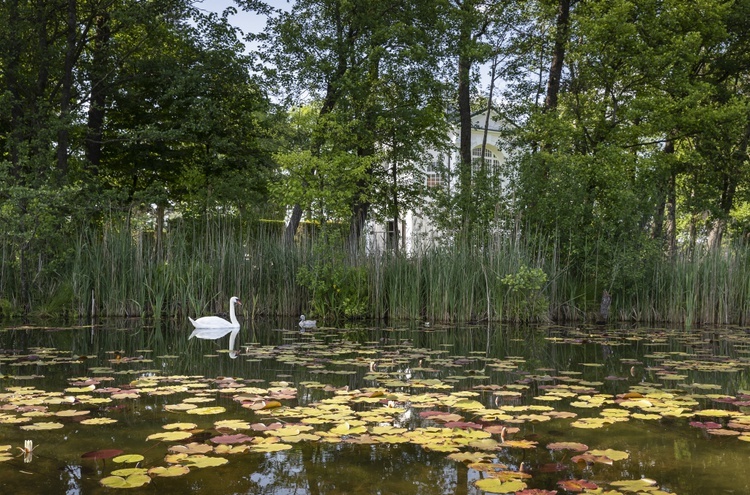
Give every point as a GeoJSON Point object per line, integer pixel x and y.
{"type": "Point", "coordinates": [708, 425]}
{"type": "Point", "coordinates": [462, 425]}
{"type": "Point", "coordinates": [577, 486]}
{"type": "Point", "coordinates": [232, 439]}
{"type": "Point", "coordinates": [575, 446]}
{"type": "Point", "coordinates": [497, 429]}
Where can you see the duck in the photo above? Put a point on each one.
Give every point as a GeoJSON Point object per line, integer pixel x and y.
{"type": "Point", "coordinates": [305, 324]}
{"type": "Point", "coordinates": [217, 322]}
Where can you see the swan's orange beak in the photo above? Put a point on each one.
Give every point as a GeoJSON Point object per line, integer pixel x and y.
{"type": "Point", "coordinates": [238, 302]}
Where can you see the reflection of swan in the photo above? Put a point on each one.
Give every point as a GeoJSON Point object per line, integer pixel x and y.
{"type": "Point", "coordinates": [214, 322]}
{"type": "Point", "coordinates": [217, 333]}
{"type": "Point", "coordinates": [303, 323]}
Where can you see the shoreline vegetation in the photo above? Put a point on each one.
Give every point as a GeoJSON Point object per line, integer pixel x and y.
{"type": "Point", "coordinates": [197, 264]}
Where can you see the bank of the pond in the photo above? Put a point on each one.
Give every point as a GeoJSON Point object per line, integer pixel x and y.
{"type": "Point", "coordinates": [193, 269]}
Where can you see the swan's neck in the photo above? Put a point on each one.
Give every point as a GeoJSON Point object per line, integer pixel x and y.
{"type": "Point", "coordinates": [232, 316]}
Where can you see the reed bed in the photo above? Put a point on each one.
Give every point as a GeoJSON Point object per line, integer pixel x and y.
{"type": "Point", "coordinates": [116, 270]}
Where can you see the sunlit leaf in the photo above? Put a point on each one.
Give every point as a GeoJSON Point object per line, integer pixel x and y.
{"type": "Point", "coordinates": [491, 485]}
{"type": "Point", "coordinates": [132, 481]}
{"type": "Point", "coordinates": [170, 436]}
{"type": "Point", "coordinates": [128, 458]}
{"type": "Point", "coordinates": [204, 411]}
{"type": "Point", "coordinates": [42, 426]}
{"type": "Point", "coordinates": [180, 426]}
{"type": "Point", "coordinates": [642, 484]}
{"type": "Point", "coordinates": [129, 471]}
{"type": "Point", "coordinates": [98, 421]}
{"type": "Point", "coordinates": [577, 485]}
{"type": "Point", "coordinates": [202, 461]}
{"type": "Point", "coordinates": [577, 447]}
{"type": "Point", "coordinates": [615, 455]}
{"type": "Point", "coordinates": [191, 448]}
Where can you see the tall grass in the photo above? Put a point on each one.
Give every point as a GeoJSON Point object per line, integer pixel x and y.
{"type": "Point", "coordinates": [117, 270]}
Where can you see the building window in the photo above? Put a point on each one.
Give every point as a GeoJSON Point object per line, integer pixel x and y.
{"type": "Point", "coordinates": [491, 161]}
{"type": "Point", "coordinates": [432, 174]}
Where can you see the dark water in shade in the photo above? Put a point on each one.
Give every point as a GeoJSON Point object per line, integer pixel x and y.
{"type": "Point", "coordinates": [706, 367]}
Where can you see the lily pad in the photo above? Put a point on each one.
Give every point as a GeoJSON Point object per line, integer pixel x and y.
{"type": "Point", "coordinates": [132, 481]}
{"type": "Point", "coordinates": [492, 485]}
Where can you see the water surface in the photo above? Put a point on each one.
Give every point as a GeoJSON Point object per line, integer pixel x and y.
{"type": "Point", "coordinates": [662, 395]}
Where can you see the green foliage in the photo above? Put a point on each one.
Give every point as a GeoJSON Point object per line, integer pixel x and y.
{"type": "Point", "coordinates": [336, 288]}
{"type": "Point", "coordinates": [527, 301]}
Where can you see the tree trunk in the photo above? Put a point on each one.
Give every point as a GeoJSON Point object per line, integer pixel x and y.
{"type": "Point", "coordinates": [98, 101]}
{"type": "Point", "coordinates": [329, 102]}
{"type": "Point", "coordinates": [291, 228]}
{"type": "Point", "coordinates": [558, 55]}
{"type": "Point", "coordinates": [63, 135]}
{"type": "Point", "coordinates": [464, 118]}
{"type": "Point", "coordinates": [12, 73]}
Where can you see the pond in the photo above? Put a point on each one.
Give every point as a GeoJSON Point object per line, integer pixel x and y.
{"type": "Point", "coordinates": [406, 409]}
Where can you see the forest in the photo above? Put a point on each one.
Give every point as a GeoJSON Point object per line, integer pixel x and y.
{"type": "Point", "coordinates": [155, 159]}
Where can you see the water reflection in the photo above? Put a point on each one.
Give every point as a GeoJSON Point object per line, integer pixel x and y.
{"type": "Point", "coordinates": [470, 360]}
{"type": "Point", "coordinates": [217, 333]}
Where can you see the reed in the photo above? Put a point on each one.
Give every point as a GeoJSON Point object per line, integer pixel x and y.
{"type": "Point", "coordinates": [117, 269]}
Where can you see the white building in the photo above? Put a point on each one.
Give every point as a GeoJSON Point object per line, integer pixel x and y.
{"type": "Point", "coordinates": [440, 170]}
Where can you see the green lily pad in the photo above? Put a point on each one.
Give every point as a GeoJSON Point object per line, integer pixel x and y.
{"type": "Point", "coordinates": [132, 481]}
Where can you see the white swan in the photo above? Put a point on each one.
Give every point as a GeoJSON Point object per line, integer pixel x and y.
{"type": "Point", "coordinates": [216, 322]}
{"type": "Point", "coordinates": [303, 323]}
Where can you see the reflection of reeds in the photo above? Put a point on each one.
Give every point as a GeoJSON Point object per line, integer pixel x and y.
{"type": "Point", "coordinates": [117, 270]}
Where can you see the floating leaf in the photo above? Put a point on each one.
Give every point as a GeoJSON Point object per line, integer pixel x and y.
{"type": "Point", "coordinates": [575, 446]}
{"type": "Point", "coordinates": [204, 411]}
{"type": "Point", "coordinates": [634, 485]}
{"type": "Point", "coordinates": [191, 448]}
{"type": "Point", "coordinates": [98, 421]}
{"type": "Point", "coordinates": [202, 461]}
{"type": "Point", "coordinates": [42, 426]}
{"type": "Point", "coordinates": [170, 436]}
{"type": "Point", "coordinates": [577, 485]}
{"type": "Point", "coordinates": [232, 424]}
{"type": "Point", "coordinates": [180, 426]}
{"type": "Point", "coordinates": [129, 471]}
{"type": "Point", "coordinates": [270, 447]}
{"type": "Point", "coordinates": [132, 481]}
{"type": "Point", "coordinates": [128, 458]}
{"type": "Point", "coordinates": [615, 455]}
{"type": "Point", "coordinates": [231, 439]}
{"type": "Point", "coordinates": [491, 485]}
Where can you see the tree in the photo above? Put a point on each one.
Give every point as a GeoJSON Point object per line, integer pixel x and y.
{"type": "Point", "coordinates": [348, 56]}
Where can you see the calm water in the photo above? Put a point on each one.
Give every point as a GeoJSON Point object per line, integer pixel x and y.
{"type": "Point", "coordinates": [134, 372]}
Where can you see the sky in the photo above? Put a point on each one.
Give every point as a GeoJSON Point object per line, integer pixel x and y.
{"type": "Point", "coordinates": [250, 22]}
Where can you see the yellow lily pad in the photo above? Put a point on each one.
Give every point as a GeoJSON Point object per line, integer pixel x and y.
{"type": "Point", "coordinates": [42, 426]}
{"type": "Point", "coordinates": [204, 411]}
{"type": "Point", "coordinates": [98, 421]}
{"type": "Point", "coordinates": [132, 481]}
{"type": "Point", "coordinates": [170, 436]}
{"type": "Point", "coordinates": [180, 426]}
{"type": "Point", "coordinates": [492, 485]}
{"type": "Point", "coordinates": [128, 458]}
